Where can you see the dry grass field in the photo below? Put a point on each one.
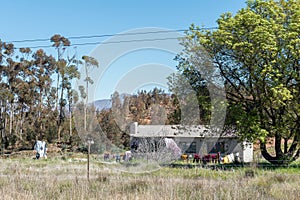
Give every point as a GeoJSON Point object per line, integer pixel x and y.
{"type": "Point", "coordinates": [66, 178]}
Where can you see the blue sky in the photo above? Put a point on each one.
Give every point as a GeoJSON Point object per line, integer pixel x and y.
{"type": "Point", "coordinates": [41, 19]}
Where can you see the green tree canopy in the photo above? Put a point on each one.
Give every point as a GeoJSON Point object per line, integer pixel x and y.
{"type": "Point", "coordinates": [257, 52]}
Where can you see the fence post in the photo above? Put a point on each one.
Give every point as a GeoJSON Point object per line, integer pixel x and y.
{"type": "Point", "coordinates": [89, 142]}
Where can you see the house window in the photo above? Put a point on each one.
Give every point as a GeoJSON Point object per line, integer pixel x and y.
{"type": "Point", "coordinates": [216, 147]}
{"type": "Point", "coordinates": [188, 147]}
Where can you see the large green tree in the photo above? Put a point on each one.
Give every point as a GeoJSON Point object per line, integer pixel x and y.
{"type": "Point", "coordinates": [257, 52]}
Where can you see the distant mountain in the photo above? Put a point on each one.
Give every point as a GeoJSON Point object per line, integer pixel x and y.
{"type": "Point", "coordinates": [102, 104]}
{"type": "Point", "coordinates": [105, 104]}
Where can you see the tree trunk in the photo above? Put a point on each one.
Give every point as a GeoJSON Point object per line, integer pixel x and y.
{"type": "Point", "coordinates": [86, 100]}
{"type": "Point", "coordinates": [285, 151]}
{"type": "Point", "coordinates": [21, 125]}
{"type": "Point", "coordinates": [61, 110]}
{"type": "Point", "coordinates": [1, 121]}
{"type": "Point", "coordinates": [85, 116]}
{"type": "Point", "coordinates": [70, 122]}
{"type": "Point", "coordinates": [58, 133]}
{"type": "Point", "coordinates": [4, 133]}
{"type": "Point", "coordinates": [281, 158]}
{"type": "Point", "coordinates": [11, 118]}
{"type": "Point", "coordinates": [278, 150]}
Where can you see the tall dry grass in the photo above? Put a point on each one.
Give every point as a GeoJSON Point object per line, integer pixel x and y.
{"type": "Point", "coordinates": [61, 179]}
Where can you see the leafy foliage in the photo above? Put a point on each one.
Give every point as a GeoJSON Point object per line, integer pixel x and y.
{"type": "Point", "coordinates": [257, 53]}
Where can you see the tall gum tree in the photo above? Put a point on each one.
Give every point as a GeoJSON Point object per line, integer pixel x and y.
{"type": "Point", "coordinates": [6, 77]}
{"type": "Point", "coordinates": [257, 52]}
{"type": "Point", "coordinates": [66, 70]}
{"type": "Point", "coordinates": [89, 64]}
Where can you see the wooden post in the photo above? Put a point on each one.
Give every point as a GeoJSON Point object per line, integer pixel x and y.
{"type": "Point", "coordinates": [88, 161]}
{"type": "Point", "coordinates": [89, 141]}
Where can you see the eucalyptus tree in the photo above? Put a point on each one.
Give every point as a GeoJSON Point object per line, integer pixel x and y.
{"type": "Point", "coordinates": [42, 67]}
{"type": "Point", "coordinates": [6, 53]}
{"type": "Point", "coordinates": [66, 70]}
{"type": "Point", "coordinates": [89, 64]}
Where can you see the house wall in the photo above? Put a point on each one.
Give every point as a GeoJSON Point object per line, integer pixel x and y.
{"type": "Point", "coordinates": [204, 145]}
{"type": "Point", "coordinates": [231, 146]}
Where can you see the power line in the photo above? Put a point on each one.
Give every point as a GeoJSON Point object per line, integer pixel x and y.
{"type": "Point", "coordinates": [104, 43]}
{"type": "Point", "coordinates": [108, 35]}
{"type": "Point", "coordinates": [94, 36]}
